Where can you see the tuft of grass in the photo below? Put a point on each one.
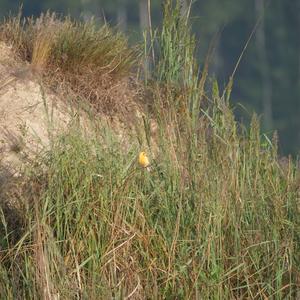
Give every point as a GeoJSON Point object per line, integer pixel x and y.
{"type": "Point", "coordinates": [83, 57]}
{"type": "Point", "coordinates": [53, 41]}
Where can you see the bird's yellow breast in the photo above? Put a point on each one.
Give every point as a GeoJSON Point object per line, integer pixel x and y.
{"type": "Point", "coordinates": [143, 160]}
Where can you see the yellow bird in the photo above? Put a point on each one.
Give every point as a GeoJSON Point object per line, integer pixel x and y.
{"type": "Point", "coordinates": [144, 160]}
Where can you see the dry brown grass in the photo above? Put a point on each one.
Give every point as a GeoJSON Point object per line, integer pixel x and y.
{"type": "Point", "coordinates": [91, 62]}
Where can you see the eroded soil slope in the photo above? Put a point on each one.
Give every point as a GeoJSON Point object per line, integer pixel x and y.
{"type": "Point", "coordinates": [27, 111]}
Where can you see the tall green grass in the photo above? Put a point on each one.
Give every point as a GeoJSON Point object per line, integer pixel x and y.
{"type": "Point", "coordinates": [217, 217]}
{"type": "Point", "coordinates": [217, 221]}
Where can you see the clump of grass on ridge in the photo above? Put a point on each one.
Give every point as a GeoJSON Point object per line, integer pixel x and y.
{"type": "Point", "coordinates": [52, 41]}
{"type": "Point", "coordinates": [216, 218]}
{"type": "Point", "coordinates": [86, 57]}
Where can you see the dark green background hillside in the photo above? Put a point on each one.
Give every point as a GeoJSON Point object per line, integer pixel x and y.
{"type": "Point", "coordinates": [268, 78]}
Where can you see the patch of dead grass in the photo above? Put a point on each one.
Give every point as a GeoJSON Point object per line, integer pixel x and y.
{"type": "Point", "coordinates": [91, 61]}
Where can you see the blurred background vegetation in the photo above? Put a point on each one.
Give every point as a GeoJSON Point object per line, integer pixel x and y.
{"type": "Point", "coordinates": [267, 80]}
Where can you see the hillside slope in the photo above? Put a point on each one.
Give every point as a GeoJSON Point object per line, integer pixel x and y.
{"type": "Point", "coordinates": [26, 110]}
{"type": "Point", "coordinates": [29, 108]}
